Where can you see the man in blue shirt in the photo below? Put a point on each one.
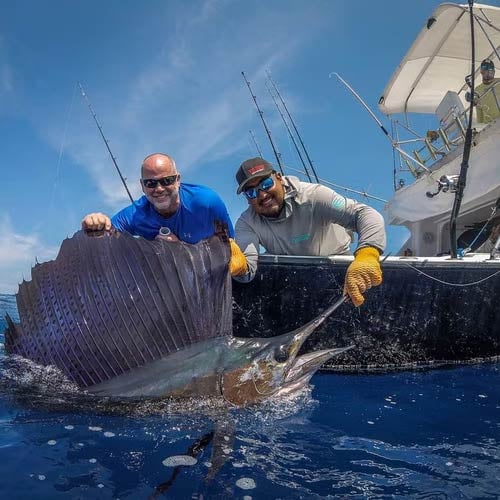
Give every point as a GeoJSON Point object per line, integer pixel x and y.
{"type": "Point", "coordinates": [189, 211]}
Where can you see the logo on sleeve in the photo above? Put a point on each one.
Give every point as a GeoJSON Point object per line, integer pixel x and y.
{"type": "Point", "coordinates": [338, 202]}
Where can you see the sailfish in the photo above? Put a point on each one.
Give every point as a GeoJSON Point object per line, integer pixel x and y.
{"type": "Point", "coordinates": [126, 317]}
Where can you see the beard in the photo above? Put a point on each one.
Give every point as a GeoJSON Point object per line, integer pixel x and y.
{"type": "Point", "coordinates": [270, 207]}
{"type": "Point", "coordinates": [165, 204]}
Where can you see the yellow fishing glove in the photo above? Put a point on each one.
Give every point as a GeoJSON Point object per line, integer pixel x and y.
{"type": "Point", "coordinates": [363, 273]}
{"type": "Point", "coordinates": [238, 263]}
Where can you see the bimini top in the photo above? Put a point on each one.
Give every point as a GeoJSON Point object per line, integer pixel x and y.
{"type": "Point", "coordinates": [440, 58]}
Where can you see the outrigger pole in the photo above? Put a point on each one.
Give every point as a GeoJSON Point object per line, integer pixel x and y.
{"type": "Point", "coordinates": [344, 188]}
{"type": "Point", "coordinates": [384, 130]}
{"type": "Point", "coordinates": [295, 128]}
{"type": "Point", "coordinates": [105, 141]}
{"type": "Point", "coordinates": [268, 132]}
{"type": "Point", "coordinates": [462, 178]}
{"type": "Point", "coordinates": [291, 135]}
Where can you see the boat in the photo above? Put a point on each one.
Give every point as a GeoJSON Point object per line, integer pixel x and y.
{"type": "Point", "coordinates": [432, 80]}
{"type": "Point", "coordinates": [433, 306]}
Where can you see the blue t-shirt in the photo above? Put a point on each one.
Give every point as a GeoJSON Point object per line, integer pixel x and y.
{"type": "Point", "coordinates": [200, 208]}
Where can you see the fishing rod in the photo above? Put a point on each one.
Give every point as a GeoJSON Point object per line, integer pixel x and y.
{"type": "Point", "coordinates": [256, 144]}
{"type": "Point", "coordinates": [105, 141]}
{"type": "Point", "coordinates": [384, 130]}
{"type": "Point", "coordinates": [290, 134]}
{"type": "Point", "coordinates": [268, 132]}
{"type": "Point", "coordinates": [462, 178]}
{"type": "Point", "coordinates": [294, 126]}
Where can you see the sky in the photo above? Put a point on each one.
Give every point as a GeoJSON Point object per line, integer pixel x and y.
{"type": "Point", "coordinates": [165, 76]}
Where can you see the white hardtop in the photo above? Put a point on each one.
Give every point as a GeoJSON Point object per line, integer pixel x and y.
{"type": "Point", "coordinates": [440, 58]}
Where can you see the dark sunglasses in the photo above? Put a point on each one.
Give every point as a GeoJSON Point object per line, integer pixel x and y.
{"type": "Point", "coordinates": [163, 181]}
{"type": "Point", "coordinates": [264, 185]}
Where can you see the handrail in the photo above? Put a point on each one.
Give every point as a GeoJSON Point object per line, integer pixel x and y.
{"type": "Point", "coordinates": [437, 143]}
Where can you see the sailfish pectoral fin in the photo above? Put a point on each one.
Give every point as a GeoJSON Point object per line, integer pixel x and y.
{"type": "Point", "coordinates": [252, 384]}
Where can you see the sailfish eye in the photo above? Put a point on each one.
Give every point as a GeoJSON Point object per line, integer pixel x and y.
{"type": "Point", "coordinates": [280, 354]}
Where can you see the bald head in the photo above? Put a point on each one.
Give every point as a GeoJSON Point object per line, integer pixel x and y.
{"type": "Point", "coordinates": [158, 164]}
{"type": "Point", "coordinates": [160, 183]}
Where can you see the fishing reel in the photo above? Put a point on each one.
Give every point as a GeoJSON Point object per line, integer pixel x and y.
{"type": "Point", "coordinates": [445, 183]}
{"type": "Point", "coordinates": [470, 96]}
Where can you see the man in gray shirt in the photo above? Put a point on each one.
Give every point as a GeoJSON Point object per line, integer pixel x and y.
{"type": "Point", "coordinates": [290, 217]}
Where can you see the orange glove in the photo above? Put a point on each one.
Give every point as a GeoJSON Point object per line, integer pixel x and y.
{"type": "Point", "coordinates": [238, 263]}
{"type": "Point", "coordinates": [363, 273]}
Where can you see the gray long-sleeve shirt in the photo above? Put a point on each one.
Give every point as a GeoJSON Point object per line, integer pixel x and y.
{"type": "Point", "coordinates": [314, 221]}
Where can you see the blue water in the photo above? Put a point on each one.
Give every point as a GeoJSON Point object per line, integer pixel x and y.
{"type": "Point", "coordinates": [423, 434]}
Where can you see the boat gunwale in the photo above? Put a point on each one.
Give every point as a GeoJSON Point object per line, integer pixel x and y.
{"type": "Point", "coordinates": [470, 261]}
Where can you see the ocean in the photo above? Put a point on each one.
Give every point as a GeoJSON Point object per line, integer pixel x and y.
{"type": "Point", "coordinates": [432, 434]}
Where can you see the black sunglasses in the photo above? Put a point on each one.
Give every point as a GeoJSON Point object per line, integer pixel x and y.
{"type": "Point", "coordinates": [163, 181]}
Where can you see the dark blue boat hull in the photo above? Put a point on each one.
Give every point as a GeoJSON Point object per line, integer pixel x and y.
{"type": "Point", "coordinates": [411, 318]}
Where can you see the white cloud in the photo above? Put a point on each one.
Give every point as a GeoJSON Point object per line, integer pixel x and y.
{"type": "Point", "coordinates": [189, 98]}
{"type": "Point", "coordinates": [17, 253]}
{"type": "Point", "coordinates": [185, 97]}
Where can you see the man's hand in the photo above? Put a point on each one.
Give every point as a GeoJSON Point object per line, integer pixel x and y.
{"type": "Point", "coordinates": [168, 237]}
{"type": "Point", "coordinates": [363, 273]}
{"type": "Point", "coordinates": [469, 97]}
{"type": "Point", "coordinates": [96, 222]}
{"type": "Point", "coordinates": [238, 263]}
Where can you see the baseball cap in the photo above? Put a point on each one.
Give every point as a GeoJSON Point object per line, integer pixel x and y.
{"type": "Point", "coordinates": [251, 169]}
{"type": "Point", "coordinates": [487, 64]}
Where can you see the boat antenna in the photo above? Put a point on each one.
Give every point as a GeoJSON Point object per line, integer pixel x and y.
{"type": "Point", "coordinates": [268, 132]}
{"type": "Point", "coordinates": [384, 130]}
{"type": "Point", "coordinates": [462, 178]}
{"type": "Point", "coordinates": [87, 100]}
{"type": "Point", "coordinates": [290, 134]}
{"type": "Point", "coordinates": [294, 126]}
{"type": "Point", "coordinates": [256, 144]}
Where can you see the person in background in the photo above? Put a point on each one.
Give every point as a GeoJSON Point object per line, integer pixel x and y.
{"type": "Point", "coordinates": [487, 94]}
{"type": "Point", "coordinates": [290, 217]}
{"type": "Point", "coordinates": [170, 209]}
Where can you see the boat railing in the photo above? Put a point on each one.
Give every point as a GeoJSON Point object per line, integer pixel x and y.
{"type": "Point", "coordinates": [437, 143]}
{"type": "Point", "coordinates": [450, 134]}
